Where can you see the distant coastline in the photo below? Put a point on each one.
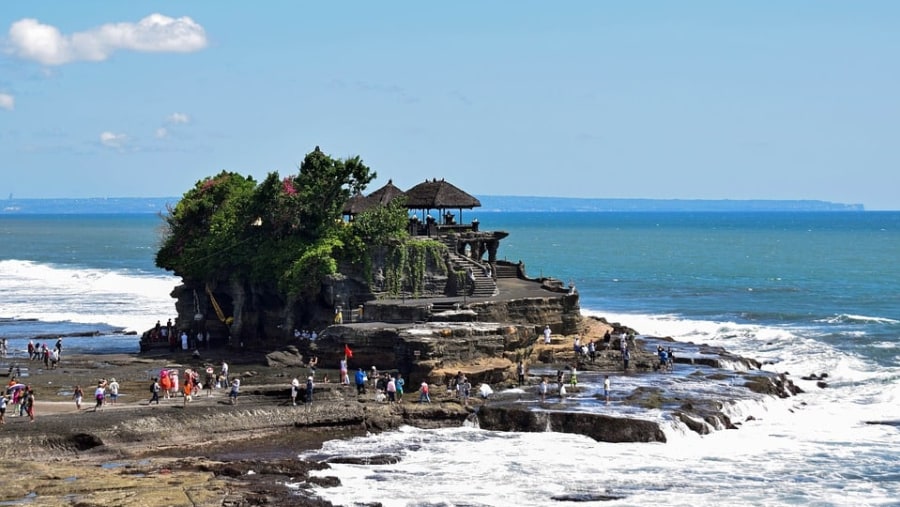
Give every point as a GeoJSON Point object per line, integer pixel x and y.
{"type": "Point", "coordinates": [489, 203]}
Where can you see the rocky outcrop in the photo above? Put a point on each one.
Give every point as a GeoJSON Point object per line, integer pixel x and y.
{"type": "Point", "coordinates": [600, 427]}
{"type": "Point", "coordinates": [417, 350]}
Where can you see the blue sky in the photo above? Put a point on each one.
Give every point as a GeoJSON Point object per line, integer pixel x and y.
{"type": "Point", "coordinates": [673, 100]}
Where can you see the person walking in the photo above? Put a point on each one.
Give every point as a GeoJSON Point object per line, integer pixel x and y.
{"type": "Point", "coordinates": [29, 403]}
{"type": "Point", "coordinates": [465, 390]}
{"type": "Point", "coordinates": [399, 383]}
{"type": "Point", "coordinates": [423, 393]}
{"type": "Point", "coordinates": [360, 381]}
{"type": "Point", "coordinates": [99, 395]}
{"type": "Point", "coordinates": [235, 390]}
{"type": "Point", "coordinates": [113, 391]}
{"type": "Point", "coordinates": [3, 402]}
{"type": "Point", "coordinates": [78, 395]}
{"type": "Point", "coordinates": [547, 335]}
{"type": "Point", "coordinates": [521, 372]}
{"type": "Point", "coordinates": [154, 391]}
{"type": "Point", "coordinates": [209, 381]}
{"type": "Point", "coordinates": [544, 388]}
{"type": "Point", "coordinates": [309, 389]}
{"type": "Point", "coordinates": [606, 388]}
{"type": "Point", "coordinates": [295, 391]}
{"type": "Point", "coordinates": [345, 378]}
{"type": "Point", "coordinates": [391, 389]}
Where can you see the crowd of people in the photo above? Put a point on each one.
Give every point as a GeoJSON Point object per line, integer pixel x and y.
{"type": "Point", "coordinates": [21, 397]}
{"type": "Point", "coordinates": [42, 352]}
{"type": "Point", "coordinates": [170, 383]}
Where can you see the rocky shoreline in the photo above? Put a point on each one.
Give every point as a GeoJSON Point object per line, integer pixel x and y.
{"type": "Point", "coordinates": [208, 452]}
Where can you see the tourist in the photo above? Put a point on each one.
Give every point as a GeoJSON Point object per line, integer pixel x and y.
{"type": "Point", "coordinates": [606, 388]}
{"type": "Point", "coordinates": [671, 359]}
{"type": "Point", "coordinates": [465, 389]}
{"type": "Point", "coordinates": [626, 357]}
{"type": "Point", "coordinates": [58, 348]}
{"type": "Point", "coordinates": [78, 395]}
{"type": "Point", "coordinates": [2, 409]}
{"type": "Point", "coordinates": [209, 380]}
{"type": "Point", "coordinates": [399, 383]}
{"type": "Point", "coordinates": [176, 385]}
{"type": "Point", "coordinates": [607, 338]}
{"type": "Point", "coordinates": [295, 390]}
{"type": "Point", "coordinates": [188, 387]}
{"type": "Point", "coordinates": [592, 351]}
{"type": "Point", "coordinates": [423, 393]}
{"type": "Point", "coordinates": [31, 350]}
{"type": "Point", "coordinates": [312, 365]}
{"type": "Point", "coordinates": [309, 389]}
{"type": "Point", "coordinates": [382, 382]}
{"type": "Point", "coordinates": [457, 382]}
{"type": "Point", "coordinates": [547, 335]}
{"type": "Point", "coordinates": [345, 379]}
{"type": "Point", "coordinates": [373, 375]}
{"type": "Point", "coordinates": [391, 389]}
{"type": "Point", "coordinates": [574, 378]}
{"type": "Point", "coordinates": [154, 391]}
{"type": "Point", "coordinates": [235, 390]}
{"type": "Point", "coordinates": [184, 341]}
{"type": "Point", "coordinates": [224, 371]}
{"type": "Point", "coordinates": [543, 388]}
{"type": "Point", "coordinates": [521, 372]}
{"type": "Point", "coordinates": [360, 381]}
{"type": "Point", "coordinates": [113, 391]}
{"type": "Point", "coordinates": [99, 395]}
{"type": "Point", "coordinates": [29, 403]}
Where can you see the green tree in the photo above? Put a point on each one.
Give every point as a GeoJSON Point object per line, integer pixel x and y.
{"type": "Point", "coordinates": [284, 231]}
{"type": "Point", "coordinates": [209, 222]}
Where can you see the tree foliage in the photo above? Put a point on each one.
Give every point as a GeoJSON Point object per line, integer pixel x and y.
{"type": "Point", "coordinates": [285, 231]}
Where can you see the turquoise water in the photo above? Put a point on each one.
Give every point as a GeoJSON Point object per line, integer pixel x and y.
{"type": "Point", "coordinates": [834, 274]}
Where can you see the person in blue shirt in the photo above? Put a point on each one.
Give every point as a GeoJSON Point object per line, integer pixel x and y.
{"type": "Point", "coordinates": [360, 381]}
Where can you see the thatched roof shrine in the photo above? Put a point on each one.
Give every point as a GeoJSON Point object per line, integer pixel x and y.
{"type": "Point", "coordinates": [439, 194]}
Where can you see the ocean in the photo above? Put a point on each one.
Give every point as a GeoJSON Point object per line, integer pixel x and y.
{"type": "Point", "coordinates": [804, 292]}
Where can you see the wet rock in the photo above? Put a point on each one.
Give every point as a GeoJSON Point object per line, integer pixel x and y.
{"type": "Point", "coordinates": [586, 497]}
{"type": "Point", "coordinates": [602, 428]}
{"type": "Point", "coordinates": [381, 459]}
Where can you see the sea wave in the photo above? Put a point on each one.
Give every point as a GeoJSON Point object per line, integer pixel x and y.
{"type": "Point", "coordinates": [849, 319]}
{"type": "Point", "coordinates": [125, 299]}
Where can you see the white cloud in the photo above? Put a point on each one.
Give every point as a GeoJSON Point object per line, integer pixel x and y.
{"type": "Point", "coordinates": [178, 118]}
{"type": "Point", "coordinates": [7, 101]}
{"type": "Point", "coordinates": [32, 40]}
{"type": "Point", "coordinates": [161, 133]}
{"type": "Point", "coordinates": [112, 140]}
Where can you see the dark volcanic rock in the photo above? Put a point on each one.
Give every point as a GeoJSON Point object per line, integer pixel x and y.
{"type": "Point", "coordinates": [603, 428]}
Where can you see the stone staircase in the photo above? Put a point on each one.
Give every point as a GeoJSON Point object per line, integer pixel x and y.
{"type": "Point", "coordinates": [507, 271]}
{"type": "Point", "coordinates": [485, 286]}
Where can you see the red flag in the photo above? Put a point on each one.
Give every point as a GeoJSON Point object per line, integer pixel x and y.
{"type": "Point", "coordinates": [347, 351]}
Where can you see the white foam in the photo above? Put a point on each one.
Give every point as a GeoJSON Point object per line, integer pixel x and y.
{"type": "Point", "coordinates": [125, 299]}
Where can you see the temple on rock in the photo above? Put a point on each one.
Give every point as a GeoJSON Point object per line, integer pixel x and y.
{"type": "Point", "coordinates": [446, 271]}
